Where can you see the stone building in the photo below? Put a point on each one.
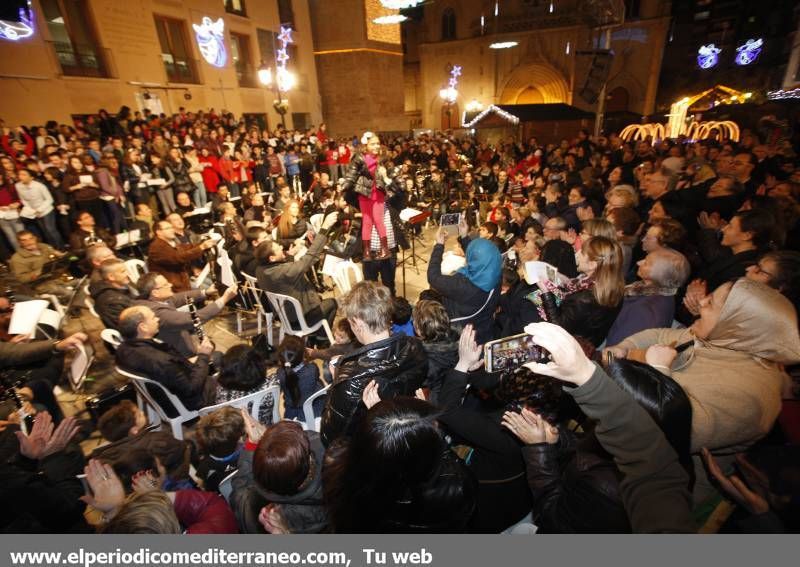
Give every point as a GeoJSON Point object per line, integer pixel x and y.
{"type": "Point", "coordinates": [360, 67]}
{"type": "Point", "coordinates": [84, 55]}
{"type": "Point", "coordinates": [555, 45]}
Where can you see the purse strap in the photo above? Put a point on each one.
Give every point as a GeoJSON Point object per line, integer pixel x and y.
{"type": "Point", "coordinates": [485, 303]}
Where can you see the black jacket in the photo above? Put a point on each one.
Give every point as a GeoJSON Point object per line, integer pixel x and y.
{"type": "Point", "coordinates": [461, 298]}
{"type": "Point", "coordinates": [516, 310]}
{"type": "Point", "coordinates": [575, 488]}
{"type": "Point", "coordinates": [399, 366]}
{"type": "Point", "coordinates": [494, 457]}
{"type": "Point", "coordinates": [162, 363]}
{"type": "Point", "coordinates": [110, 301]}
{"type": "Point", "coordinates": [442, 357]}
{"type": "Point", "coordinates": [581, 315]}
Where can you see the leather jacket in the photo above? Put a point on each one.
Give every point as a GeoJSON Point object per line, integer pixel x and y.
{"type": "Point", "coordinates": [398, 364]}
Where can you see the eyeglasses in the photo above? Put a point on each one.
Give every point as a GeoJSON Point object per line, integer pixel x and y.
{"type": "Point", "coordinates": [759, 270]}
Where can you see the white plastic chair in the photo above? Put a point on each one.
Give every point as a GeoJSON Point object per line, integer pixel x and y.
{"type": "Point", "coordinates": [313, 422]}
{"type": "Point", "coordinates": [57, 306]}
{"type": "Point", "coordinates": [256, 398]}
{"type": "Point", "coordinates": [300, 328]}
{"type": "Point", "coordinates": [49, 318]}
{"type": "Point", "coordinates": [111, 337]}
{"type": "Point", "coordinates": [79, 368]}
{"type": "Point", "coordinates": [155, 413]}
{"type": "Point", "coordinates": [226, 486]}
{"type": "Point", "coordinates": [251, 285]}
{"type": "Point", "coordinates": [88, 301]}
{"type": "Point", "coordinates": [346, 274]}
{"type": "Point", "coordinates": [136, 269]}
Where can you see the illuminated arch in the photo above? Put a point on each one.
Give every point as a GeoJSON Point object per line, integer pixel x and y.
{"type": "Point", "coordinates": [550, 83]}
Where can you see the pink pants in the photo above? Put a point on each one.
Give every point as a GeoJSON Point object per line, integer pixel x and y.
{"type": "Point", "coordinates": [371, 214]}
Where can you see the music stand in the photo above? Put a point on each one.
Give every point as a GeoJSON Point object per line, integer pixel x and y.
{"type": "Point", "coordinates": [409, 229]}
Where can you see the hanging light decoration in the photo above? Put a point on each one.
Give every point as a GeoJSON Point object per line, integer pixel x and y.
{"type": "Point", "coordinates": [749, 52]}
{"type": "Point", "coordinates": [400, 4]}
{"type": "Point", "coordinates": [449, 93]}
{"type": "Point", "coordinates": [782, 94]}
{"type": "Point", "coordinates": [20, 29]}
{"type": "Point", "coordinates": [496, 110]}
{"type": "Point", "coordinates": [210, 36]}
{"type": "Point", "coordinates": [503, 44]}
{"type": "Point", "coordinates": [390, 19]}
{"type": "Point", "coordinates": [708, 56]}
{"type": "Point", "coordinates": [552, 8]}
{"type": "Point", "coordinates": [567, 49]}
{"type": "Point", "coordinates": [284, 78]}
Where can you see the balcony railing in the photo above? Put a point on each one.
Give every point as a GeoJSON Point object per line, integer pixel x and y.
{"type": "Point", "coordinates": [79, 60]}
{"type": "Point", "coordinates": [180, 70]}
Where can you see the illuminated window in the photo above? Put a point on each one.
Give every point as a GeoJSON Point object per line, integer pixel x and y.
{"type": "Point", "coordinates": [242, 59]}
{"type": "Point", "coordinates": [175, 50]}
{"type": "Point", "coordinates": [74, 38]}
{"type": "Point", "coordinates": [235, 7]}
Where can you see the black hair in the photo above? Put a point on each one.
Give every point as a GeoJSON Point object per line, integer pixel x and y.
{"type": "Point", "coordinates": [396, 474]}
{"type": "Point", "coordinates": [291, 352]}
{"type": "Point", "coordinates": [766, 229]}
{"type": "Point", "coordinates": [560, 255]}
{"type": "Point", "coordinates": [243, 368]}
{"type": "Point", "coordinates": [540, 393]}
{"type": "Point", "coordinates": [401, 311]}
{"type": "Point", "coordinates": [430, 294]}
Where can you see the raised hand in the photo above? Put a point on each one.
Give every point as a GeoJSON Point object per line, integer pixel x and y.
{"type": "Point", "coordinates": [529, 427]}
{"type": "Point", "coordinates": [470, 355]}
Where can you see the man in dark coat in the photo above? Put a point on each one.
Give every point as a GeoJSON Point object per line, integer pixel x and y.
{"type": "Point", "coordinates": [113, 292]}
{"type": "Point", "coordinates": [141, 354]}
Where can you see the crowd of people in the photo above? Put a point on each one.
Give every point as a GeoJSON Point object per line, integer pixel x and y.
{"type": "Point", "coordinates": [659, 277]}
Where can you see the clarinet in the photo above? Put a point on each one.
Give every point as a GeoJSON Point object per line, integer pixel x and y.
{"type": "Point", "coordinates": [198, 329]}
{"type": "Point", "coordinates": [26, 419]}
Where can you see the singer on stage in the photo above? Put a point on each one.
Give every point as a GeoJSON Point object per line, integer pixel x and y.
{"type": "Point", "coordinates": [369, 180]}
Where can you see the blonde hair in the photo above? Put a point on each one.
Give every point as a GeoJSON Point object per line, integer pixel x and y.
{"type": "Point", "coordinates": [599, 227]}
{"type": "Point", "coordinates": [371, 303]}
{"type": "Point", "coordinates": [609, 285]}
{"type": "Point", "coordinates": [145, 513]}
{"type": "Point", "coordinates": [625, 192]}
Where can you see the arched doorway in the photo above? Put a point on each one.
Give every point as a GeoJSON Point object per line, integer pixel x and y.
{"type": "Point", "coordinates": [618, 100]}
{"type": "Point", "coordinates": [534, 82]}
{"type": "Point", "coordinates": [531, 95]}
{"type": "Point", "coordinates": [451, 117]}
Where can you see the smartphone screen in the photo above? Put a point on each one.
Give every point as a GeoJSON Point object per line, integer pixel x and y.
{"type": "Point", "coordinates": [512, 352]}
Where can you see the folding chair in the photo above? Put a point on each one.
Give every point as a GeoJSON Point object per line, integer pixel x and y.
{"type": "Point", "coordinates": [300, 328]}
{"type": "Point", "coordinates": [88, 301]}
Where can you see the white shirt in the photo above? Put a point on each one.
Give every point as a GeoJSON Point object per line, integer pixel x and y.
{"type": "Point", "coordinates": [36, 199]}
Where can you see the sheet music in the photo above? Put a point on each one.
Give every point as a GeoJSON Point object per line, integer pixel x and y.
{"type": "Point", "coordinates": [409, 213]}
{"type": "Point", "coordinates": [26, 316]}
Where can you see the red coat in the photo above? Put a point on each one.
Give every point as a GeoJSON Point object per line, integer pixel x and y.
{"type": "Point", "coordinates": [242, 171]}
{"type": "Point", "coordinates": [211, 176]}
{"type": "Point", "coordinates": [344, 156]}
{"type": "Point", "coordinates": [202, 512]}
{"type": "Point", "coordinates": [226, 168]}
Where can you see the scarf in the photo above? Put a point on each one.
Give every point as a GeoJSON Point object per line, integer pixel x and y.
{"type": "Point", "coordinates": [559, 291]}
{"type": "Point", "coordinates": [484, 264]}
{"type": "Point", "coordinates": [641, 288]}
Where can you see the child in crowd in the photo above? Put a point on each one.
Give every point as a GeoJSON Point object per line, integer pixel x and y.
{"type": "Point", "coordinates": [298, 378]}
{"type": "Point", "coordinates": [219, 442]}
{"type": "Point", "coordinates": [401, 317]}
{"type": "Point", "coordinates": [345, 342]}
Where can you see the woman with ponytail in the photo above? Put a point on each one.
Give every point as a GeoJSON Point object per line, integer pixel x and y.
{"type": "Point", "coordinates": [298, 379]}
{"type": "Point", "coordinates": [369, 180]}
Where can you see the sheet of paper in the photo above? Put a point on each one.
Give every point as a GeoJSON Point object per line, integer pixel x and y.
{"type": "Point", "coordinates": [25, 316]}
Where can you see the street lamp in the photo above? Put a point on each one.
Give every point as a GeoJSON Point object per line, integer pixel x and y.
{"type": "Point", "coordinates": [283, 80]}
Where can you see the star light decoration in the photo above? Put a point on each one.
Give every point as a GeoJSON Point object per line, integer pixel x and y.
{"type": "Point", "coordinates": [749, 52]}
{"type": "Point", "coordinates": [497, 110]}
{"type": "Point", "coordinates": [449, 94]}
{"type": "Point", "coordinates": [282, 75]}
{"type": "Point", "coordinates": [708, 56]}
